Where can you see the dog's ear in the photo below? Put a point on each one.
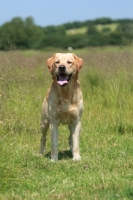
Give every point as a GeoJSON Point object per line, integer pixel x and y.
{"type": "Point", "coordinates": [50, 62]}
{"type": "Point", "coordinates": [79, 62]}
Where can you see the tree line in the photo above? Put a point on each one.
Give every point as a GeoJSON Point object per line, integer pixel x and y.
{"type": "Point", "coordinates": [25, 34]}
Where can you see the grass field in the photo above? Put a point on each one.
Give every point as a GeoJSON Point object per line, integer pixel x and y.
{"type": "Point", "coordinates": [106, 169]}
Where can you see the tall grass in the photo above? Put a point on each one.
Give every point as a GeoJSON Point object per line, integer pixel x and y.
{"type": "Point", "coordinates": [106, 168]}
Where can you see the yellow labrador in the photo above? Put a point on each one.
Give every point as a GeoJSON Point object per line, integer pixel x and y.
{"type": "Point", "coordinates": [63, 103]}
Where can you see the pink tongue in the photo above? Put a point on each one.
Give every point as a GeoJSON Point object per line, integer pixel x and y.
{"type": "Point", "coordinates": [63, 80]}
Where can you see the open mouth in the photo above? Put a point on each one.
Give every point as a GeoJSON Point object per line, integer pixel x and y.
{"type": "Point", "coordinates": [63, 79]}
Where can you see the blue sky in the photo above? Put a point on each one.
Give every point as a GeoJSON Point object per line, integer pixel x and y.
{"type": "Point", "coordinates": [56, 12]}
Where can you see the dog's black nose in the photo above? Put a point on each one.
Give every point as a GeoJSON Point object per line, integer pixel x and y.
{"type": "Point", "coordinates": [62, 68]}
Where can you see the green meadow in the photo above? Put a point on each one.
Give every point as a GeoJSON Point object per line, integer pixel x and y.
{"type": "Point", "coordinates": [100, 27]}
{"type": "Point", "coordinates": [106, 142]}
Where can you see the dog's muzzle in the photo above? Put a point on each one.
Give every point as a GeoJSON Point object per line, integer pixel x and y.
{"type": "Point", "coordinates": [62, 77]}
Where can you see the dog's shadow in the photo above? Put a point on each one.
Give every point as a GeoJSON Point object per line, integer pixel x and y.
{"type": "Point", "coordinates": [62, 155]}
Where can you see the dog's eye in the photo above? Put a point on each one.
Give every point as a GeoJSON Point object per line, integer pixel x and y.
{"type": "Point", "coordinates": [69, 62]}
{"type": "Point", "coordinates": [57, 62]}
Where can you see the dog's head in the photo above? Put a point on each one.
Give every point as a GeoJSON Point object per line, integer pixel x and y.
{"type": "Point", "coordinates": [64, 66]}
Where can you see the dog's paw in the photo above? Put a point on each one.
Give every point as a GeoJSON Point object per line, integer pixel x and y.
{"type": "Point", "coordinates": [42, 152]}
{"type": "Point", "coordinates": [54, 159]}
{"type": "Point", "coordinates": [77, 158]}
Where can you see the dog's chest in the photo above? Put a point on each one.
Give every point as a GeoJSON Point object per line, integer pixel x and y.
{"type": "Point", "coordinates": [65, 112]}
{"type": "Point", "coordinates": [67, 117]}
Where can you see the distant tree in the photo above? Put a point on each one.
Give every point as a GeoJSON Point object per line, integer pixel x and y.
{"type": "Point", "coordinates": [68, 25]}
{"type": "Point", "coordinates": [18, 36]}
{"type": "Point", "coordinates": [24, 34]}
{"type": "Point", "coordinates": [51, 30]}
{"type": "Point", "coordinates": [125, 28]}
{"type": "Point", "coordinates": [76, 41]}
{"type": "Point", "coordinates": [76, 24]}
{"type": "Point", "coordinates": [115, 39]}
{"type": "Point", "coordinates": [106, 30]}
{"type": "Point", "coordinates": [6, 34]}
{"type": "Point", "coordinates": [33, 33]}
{"type": "Point", "coordinates": [20, 33]}
{"type": "Point", "coordinates": [103, 20]}
{"type": "Point", "coordinates": [89, 22]}
{"type": "Point", "coordinates": [12, 33]}
{"type": "Point", "coordinates": [52, 36]}
{"type": "Point", "coordinates": [123, 21]}
{"type": "Point", "coordinates": [92, 30]}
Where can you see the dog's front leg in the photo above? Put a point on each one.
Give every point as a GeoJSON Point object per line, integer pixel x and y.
{"type": "Point", "coordinates": [54, 141]}
{"type": "Point", "coordinates": [75, 132]}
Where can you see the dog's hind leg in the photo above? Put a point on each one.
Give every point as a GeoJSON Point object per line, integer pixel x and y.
{"type": "Point", "coordinates": [44, 128]}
